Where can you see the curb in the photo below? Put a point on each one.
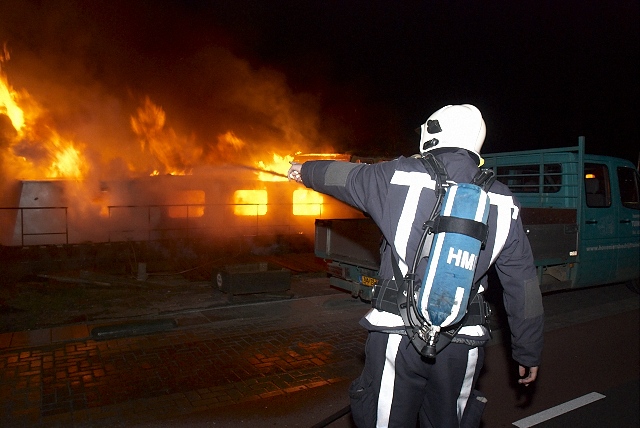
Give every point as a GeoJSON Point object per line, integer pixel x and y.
{"type": "Point", "coordinates": [132, 329]}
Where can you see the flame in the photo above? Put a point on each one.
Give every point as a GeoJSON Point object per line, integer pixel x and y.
{"type": "Point", "coordinates": [279, 165]}
{"type": "Point", "coordinates": [9, 102]}
{"type": "Point", "coordinates": [170, 153]}
{"type": "Point", "coordinates": [68, 161]}
{"type": "Point", "coordinates": [35, 149]}
{"type": "Point", "coordinates": [39, 149]}
{"type": "Point", "coordinates": [230, 140]}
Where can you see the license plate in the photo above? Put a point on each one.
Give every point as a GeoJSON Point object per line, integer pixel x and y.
{"type": "Point", "coordinates": [367, 280]}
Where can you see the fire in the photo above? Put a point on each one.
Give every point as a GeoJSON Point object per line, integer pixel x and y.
{"type": "Point", "coordinates": [171, 154]}
{"type": "Point", "coordinates": [255, 202]}
{"type": "Point", "coordinates": [81, 148]}
{"type": "Point", "coordinates": [35, 150]}
{"type": "Point", "coordinates": [39, 149]}
{"type": "Point", "coordinates": [9, 104]}
{"type": "Point", "coordinates": [67, 161]}
{"type": "Point", "coordinates": [278, 166]}
{"type": "Point", "coordinates": [230, 140]}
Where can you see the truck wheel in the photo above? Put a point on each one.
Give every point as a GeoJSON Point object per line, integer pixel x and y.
{"type": "Point", "coordinates": [634, 285]}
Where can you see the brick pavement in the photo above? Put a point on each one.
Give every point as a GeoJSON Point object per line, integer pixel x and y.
{"type": "Point", "coordinates": [213, 358]}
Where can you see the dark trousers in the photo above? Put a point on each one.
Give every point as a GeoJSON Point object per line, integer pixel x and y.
{"type": "Point", "coordinates": [399, 388]}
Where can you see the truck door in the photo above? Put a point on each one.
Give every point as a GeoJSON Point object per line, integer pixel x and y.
{"type": "Point", "coordinates": [628, 266]}
{"type": "Point", "coordinates": [599, 229]}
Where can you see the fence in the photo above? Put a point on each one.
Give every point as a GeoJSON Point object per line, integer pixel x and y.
{"type": "Point", "coordinates": [35, 225]}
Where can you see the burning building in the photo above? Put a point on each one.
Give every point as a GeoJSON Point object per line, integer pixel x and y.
{"type": "Point", "coordinates": [220, 204]}
{"type": "Point", "coordinates": [161, 184]}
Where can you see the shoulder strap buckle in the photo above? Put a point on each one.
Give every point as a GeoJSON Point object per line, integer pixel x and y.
{"type": "Point", "coordinates": [484, 178]}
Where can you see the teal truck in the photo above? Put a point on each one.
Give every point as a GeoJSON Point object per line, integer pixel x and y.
{"type": "Point", "coordinates": [581, 213]}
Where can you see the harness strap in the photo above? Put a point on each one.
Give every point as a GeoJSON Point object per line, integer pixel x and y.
{"type": "Point", "coordinates": [385, 298]}
{"type": "Point", "coordinates": [465, 226]}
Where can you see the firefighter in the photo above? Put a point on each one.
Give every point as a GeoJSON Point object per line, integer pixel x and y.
{"type": "Point", "coordinates": [398, 386]}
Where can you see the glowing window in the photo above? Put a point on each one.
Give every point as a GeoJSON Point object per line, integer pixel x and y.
{"type": "Point", "coordinates": [250, 202]}
{"type": "Point", "coordinates": [186, 203]}
{"type": "Point", "coordinates": [307, 202]}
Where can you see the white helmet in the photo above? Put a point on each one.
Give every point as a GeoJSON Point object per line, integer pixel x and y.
{"type": "Point", "coordinates": [459, 126]}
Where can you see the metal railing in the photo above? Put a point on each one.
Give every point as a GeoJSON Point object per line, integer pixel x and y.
{"type": "Point", "coordinates": [42, 226]}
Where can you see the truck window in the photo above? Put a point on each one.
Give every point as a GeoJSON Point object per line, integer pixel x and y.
{"type": "Point", "coordinates": [526, 178]}
{"type": "Point", "coordinates": [596, 185]}
{"type": "Point", "coordinates": [629, 188]}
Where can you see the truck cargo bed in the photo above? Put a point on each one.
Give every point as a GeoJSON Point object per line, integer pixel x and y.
{"type": "Point", "coordinates": [352, 240]}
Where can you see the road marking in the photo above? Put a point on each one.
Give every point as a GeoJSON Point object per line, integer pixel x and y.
{"type": "Point", "coordinates": [558, 410]}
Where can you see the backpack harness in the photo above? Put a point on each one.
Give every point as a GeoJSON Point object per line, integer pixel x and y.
{"type": "Point", "coordinates": [430, 318]}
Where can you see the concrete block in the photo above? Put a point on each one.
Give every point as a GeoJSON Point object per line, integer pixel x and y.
{"type": "Point", "coordinates": [252, 278]}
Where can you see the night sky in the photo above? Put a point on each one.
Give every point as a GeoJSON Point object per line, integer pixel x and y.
{"type": "Point", "coordinates": [370, 72]}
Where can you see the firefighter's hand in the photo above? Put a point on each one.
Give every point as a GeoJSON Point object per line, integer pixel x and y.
{"type": "Point", "coordinates": [530, 377]}
{"type": "Point", "coordinates": [294, 172]}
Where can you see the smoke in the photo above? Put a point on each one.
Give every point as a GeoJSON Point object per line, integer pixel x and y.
{"type": "Point", "coordinates": [139, 89]}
